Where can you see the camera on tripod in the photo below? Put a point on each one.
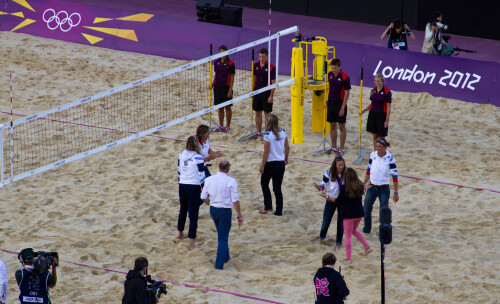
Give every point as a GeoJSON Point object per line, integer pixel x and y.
{"type": "Point", "coordinates": [155, 287]}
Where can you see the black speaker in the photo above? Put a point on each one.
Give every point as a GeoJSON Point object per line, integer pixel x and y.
{"type": "Point", "coordinates": [231, 15]}
{"type": "Point", "coordinates": [209, 10]}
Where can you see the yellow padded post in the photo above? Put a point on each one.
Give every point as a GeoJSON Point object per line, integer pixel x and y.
{"type": "Point", "coordinates": [297, 96]}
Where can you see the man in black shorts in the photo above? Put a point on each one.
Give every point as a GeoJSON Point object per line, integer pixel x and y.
{"type": "Point", "coordinates": [223, 88]}
{"type": "Point", "coordinates": [264, 100]}
{"type": "Point", "coordinates": [340, 86]}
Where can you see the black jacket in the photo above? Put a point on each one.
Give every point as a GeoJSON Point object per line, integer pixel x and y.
{"type": "Point", "coordinates": [330, 286]}
{"type": "Point", "coordinates": [135, 289]}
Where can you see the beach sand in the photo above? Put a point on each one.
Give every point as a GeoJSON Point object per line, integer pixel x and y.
{"type": "Point", "coordinates": [107, 209]}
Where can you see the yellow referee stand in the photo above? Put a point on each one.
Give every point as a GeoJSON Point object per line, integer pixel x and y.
{"type": "Point", "coordinates": [317, 83]}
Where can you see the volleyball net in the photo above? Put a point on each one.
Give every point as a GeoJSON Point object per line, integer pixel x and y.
{"type": "Point", "coordinates": [69, 132]}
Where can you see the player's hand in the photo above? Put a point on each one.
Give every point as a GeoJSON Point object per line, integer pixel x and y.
{"type": "Point", "coordinates": [230, 94]}
{"type": "Point", "coordinates": [270, 99]}
{"type": "Point", "coordinates": [386, 124]}
{"type": "Point", "coordinates": [395, 198]}
{"type": "Point", "coordinates": [342, 111]}
{"type": "Point", "coordinates": [261, 169]}
{"type": "Point", "coordinates": [317, 187]}
{"type": "Point", "coordinates": [391, 25]}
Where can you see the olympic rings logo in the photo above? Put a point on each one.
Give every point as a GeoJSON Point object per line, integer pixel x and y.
{"type": "Point", "coordinates": [62, 20]}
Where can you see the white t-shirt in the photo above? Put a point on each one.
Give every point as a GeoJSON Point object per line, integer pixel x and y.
{"type": "Point", "coordinates": [332, 186]}
{"type": "Point", "coordinates": [191, 169]}
{"type": "Point", "coordinates": [276, 146]}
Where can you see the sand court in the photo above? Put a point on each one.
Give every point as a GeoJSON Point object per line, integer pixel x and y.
{"type": "Point", "coordinates": [107, 209]}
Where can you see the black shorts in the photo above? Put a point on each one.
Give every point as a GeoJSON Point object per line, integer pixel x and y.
{"type": "Point", "coordinates": [260, 102]}
{"type": "Point", "coordinates": [375, 124]}
{"type": "Point", "coordinates": [332, 114]}
{"type": "Point", "coordinates": [220, 94]}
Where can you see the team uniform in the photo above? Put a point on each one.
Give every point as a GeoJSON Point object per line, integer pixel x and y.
{"type": "Point", "coordinates": [275, 170]}
{"type": "Point", "coordinates": [338, 85]}
{"type": "Point", "coordinates": [332, 190]}
{"type": "Point", "coordinates": [222, 79]}
{"type": "Point", "coordinates": [378, 111]}
{"type": "Point", "coordinates": [330, 286]}
{"type": "Point", "coordinates": [260, 80]}
{"type": "Point", "coordinates": [204, 149]}
{"type": "Point", "coordinates": [380, 170]}
{"type": "Point", "coordinates": [34, 288]}
{"type": "Point", "coordinates": [191, 175]}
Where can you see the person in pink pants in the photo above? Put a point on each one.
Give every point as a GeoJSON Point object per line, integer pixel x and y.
{"type": "Point", "coordinates": [350, 198]}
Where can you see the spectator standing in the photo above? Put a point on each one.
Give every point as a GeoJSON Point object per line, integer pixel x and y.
{"type": "Point", "coordinates": [221, 193]}
{"type": "Point", "coordinates": [397, 37]}
{"type": "Point", "coordinates": [202, 134]}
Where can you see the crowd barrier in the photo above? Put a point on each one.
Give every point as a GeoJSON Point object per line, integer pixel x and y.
{"type": "Point", "coordinates": [449, 77]}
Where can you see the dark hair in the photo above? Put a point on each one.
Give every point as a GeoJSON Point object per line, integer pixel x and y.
{"type": "Point", "coordinates": [435, 14]}
{"type": "Point", "coordinates": [192, 144]}
{"type": "Point", "coordinates": [335, 61]}
{"type": "Point", "coordinates": [398, 23]}
{"type": "Point", "coordinates": [329, 259]}
{"type": "Point", "coordinates": [224, 48]}
{"type": "Point", "coordinates": [383, 142]}
{"type": "Point", "coordinates": [353, 185]}
{"type": "Point", "coordinates": [264, 51]}
{"type": "Point", "coordinates": [141, 263]}
{"type": "Point", "coordinates": [201, 130]}
{"type": "Point", "coordinates": [224, 165]}
{"type": "Point", "coordinates": [333, 169]}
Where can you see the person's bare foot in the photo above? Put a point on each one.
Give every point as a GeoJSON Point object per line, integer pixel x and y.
{"type": "Point", "coordinates": [337, 248]}
{"type": "Point", "coordinates": [181, 235]}
{"type": "Point", "coordinates": [367, 251]}
{"type": "Point", "coordinates": [349, 262]}
{"type": "Point", "coordinates": [191, 245]}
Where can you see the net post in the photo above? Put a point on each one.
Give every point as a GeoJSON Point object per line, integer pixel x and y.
{"type": "Point", "coordinates": [252, 86]}
{"type": "Point", "coordinates": [210, 66]}
{"type": "Point", "coordinates": [277, 57]}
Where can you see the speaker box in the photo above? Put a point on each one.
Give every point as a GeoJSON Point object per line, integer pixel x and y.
{"type": "Point", "coordinates": [232, 16]}
{"type": "Point", "coordinates": [209, 10]}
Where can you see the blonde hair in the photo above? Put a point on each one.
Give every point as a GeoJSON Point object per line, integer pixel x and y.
{"type": "Point", "coordinates": [379, 76]}
{"type": "Point", "coordinates": [272, 125]}
{"type": "Point", "coordinates": [192, 144]}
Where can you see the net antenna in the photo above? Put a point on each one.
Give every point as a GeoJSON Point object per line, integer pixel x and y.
{"type": "Point", "coordinates": [105, 120]}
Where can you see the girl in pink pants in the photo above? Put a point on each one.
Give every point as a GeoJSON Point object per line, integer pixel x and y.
{"type": "Point", "coordinates": [350, 198]}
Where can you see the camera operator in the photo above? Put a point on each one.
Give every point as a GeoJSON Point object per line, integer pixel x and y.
{"type": "Point", "coordinates": [330, 284]}
{"type": "Point", "coordinates": [136, 283]}
{"type": "Point", "coordinates": [397, 37]}
{"type": "Point", "coordinates": [435, 41]}
{"type": "Point", "coordinates": [34, 285]}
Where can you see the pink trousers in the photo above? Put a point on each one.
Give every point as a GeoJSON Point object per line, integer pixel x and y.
{"type": "Point", "coordinates": [350, 229]}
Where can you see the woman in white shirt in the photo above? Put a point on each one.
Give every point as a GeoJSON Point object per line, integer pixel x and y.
{"type": "Point", "coordinates": [202, 133]}
{"type": "Point", "coordinates": [274, 159]}
{"type": "Point", "coordinates": [191, 175]}
{"type": "Point", "coordinates": [381, 167]}
{"type": "Point", "coordinates": [332, 181]}
{"type": "Point", "coordinates": [432, 34]}
{"type": "Point", "coordinates": [4, 282]}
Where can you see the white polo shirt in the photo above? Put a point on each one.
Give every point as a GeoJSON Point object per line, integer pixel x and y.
{"type": "Point", "coordinates": [276, 151]}
{"type": "Point", "coordinates": [222, 190]}
{"type": "Point", "coordinates": [382, 168]}
{"type": "Point", "coordinates": [332, 186]}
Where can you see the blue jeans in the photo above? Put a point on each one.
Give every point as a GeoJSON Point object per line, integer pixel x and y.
{"type": "Point", "coordinates": [372, 193]}
{"type": "Point", "coordinates": [327, 219]}
{"type": "Point", "coordinates": [222, 221]}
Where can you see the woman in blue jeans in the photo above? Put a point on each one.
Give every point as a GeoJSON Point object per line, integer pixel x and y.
{"type": "Point", "coordinates": [381, 167]}
{"type": "Point", "coordinates": [332, 181]}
